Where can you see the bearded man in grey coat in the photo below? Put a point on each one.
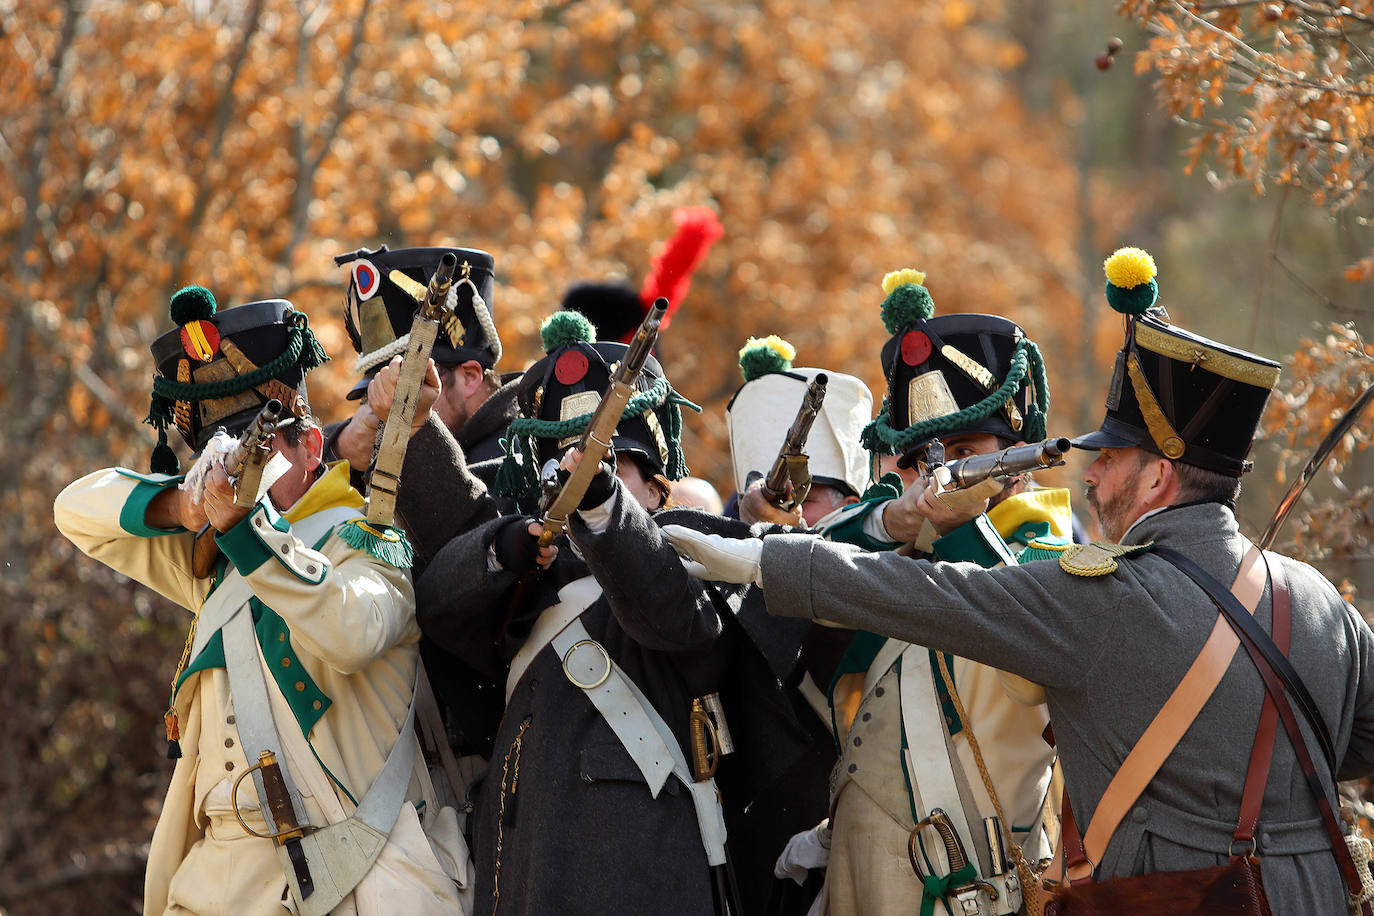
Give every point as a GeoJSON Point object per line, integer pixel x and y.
{"type": "Point", "coordinates": [1110, 629]}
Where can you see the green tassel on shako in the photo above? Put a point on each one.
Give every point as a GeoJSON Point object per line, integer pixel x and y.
{"type": "Point", "coordinates": [164, 460]}
{"type": "Point", "coordinates": [386, 543]}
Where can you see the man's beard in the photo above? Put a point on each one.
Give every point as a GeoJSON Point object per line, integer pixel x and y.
{"type": "Point", "coordinates": [1112, 515]}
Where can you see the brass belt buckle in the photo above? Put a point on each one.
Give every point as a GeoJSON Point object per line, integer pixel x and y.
{"type": "Point", "coordinates": [587, 664]}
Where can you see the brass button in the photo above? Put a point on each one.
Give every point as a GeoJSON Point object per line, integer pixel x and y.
{"type": "Point", "coordinates": [228, 742]}
{"type": "Point", "coordinates": [317, 704]}
{"type": "Point", "coordinates": [286, 663]}
{"type": "Point", "coordinates": [300, 685]}
{"type": "Point", "coordinates": [281, 638]}
{"type": "Point", "coordinates": [229, 765]}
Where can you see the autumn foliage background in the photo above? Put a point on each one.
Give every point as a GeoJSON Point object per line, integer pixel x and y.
{"type": "Point", "coordinates": [241, 145]}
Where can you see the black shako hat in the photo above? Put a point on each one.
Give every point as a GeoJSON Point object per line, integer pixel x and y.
{"type": "Point", "coordinates": [947, 374]}
{"type": "Point", "coordinates": [558, 394]}
{"type": "Point", "coordinates": [1173, 392]}
{"type": "Point", "coordinates": [219, 368]}
{"type": "Point", "coordinates": [385, 289]}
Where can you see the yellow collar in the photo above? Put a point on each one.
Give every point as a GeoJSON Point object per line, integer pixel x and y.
{"type": "Point", "coordinates": [333, 489]}
{"type": "Point", "coordinates": [1050, 504]}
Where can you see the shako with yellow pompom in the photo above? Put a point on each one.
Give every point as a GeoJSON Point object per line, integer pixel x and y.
{"type": "Point", "coordinates": [762, 409]}
{"type": "Point", "coordinates": [1173, 392]}
{"type": "Point", "coordinates": [958, 373]}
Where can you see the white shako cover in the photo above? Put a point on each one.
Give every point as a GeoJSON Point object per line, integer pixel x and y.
{"type": "Point", "coordinates": [762, 411]}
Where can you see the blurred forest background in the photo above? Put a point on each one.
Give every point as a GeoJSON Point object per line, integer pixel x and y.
{"type": "Point", "coordinates": [1002, 147]}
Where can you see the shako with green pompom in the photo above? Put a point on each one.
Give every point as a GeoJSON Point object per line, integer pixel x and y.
{"type": "Point", "coordinates": [763, 408]}
{"type": "Point", "coordinates": [957, 373]}
{"type": "Point", "coordinates": [558, 395]}
{"type": "Point", "coordinates": [219, 366]}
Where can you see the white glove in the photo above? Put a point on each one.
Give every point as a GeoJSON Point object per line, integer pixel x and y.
{"type": "Point", "coordinates": [213, 455]}
{"type": "Point", "coordinates": [807, 850]}
{"type": "Point", "coordinates": [717, 559]}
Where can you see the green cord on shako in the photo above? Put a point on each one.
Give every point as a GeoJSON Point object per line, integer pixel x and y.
{"type": "Point", "coordinates": [218, 368]}
{"type": "Point", "coordinates": [558, 396]}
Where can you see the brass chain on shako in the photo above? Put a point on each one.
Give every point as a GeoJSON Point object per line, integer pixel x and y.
{"type": "Point", "coordinates": [513, 777]}
{"type": "Point", "coordinates": [1030, 882]}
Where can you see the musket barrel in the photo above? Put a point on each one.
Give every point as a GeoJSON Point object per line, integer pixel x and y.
{"type": "Point", "coordinates": [436, 296]}
{"type": "Point", "coordinates": [1008, 463]}
{"type": "Point", "coordinates": [642, 344]}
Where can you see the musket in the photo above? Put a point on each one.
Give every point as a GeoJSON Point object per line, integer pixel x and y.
{"type": "Point", "coordinates": [1004, 465]}
{"type": "Point", "coordinates": [791, 465]}
{"type": "Point", "coordinates": [1314, 464]}
{"type": "Point", "coordinates": [595, 442]}
{"type": "Point", "coordinates": [244, 464]}
{"type": "Point", "coordinates": [394, 436]}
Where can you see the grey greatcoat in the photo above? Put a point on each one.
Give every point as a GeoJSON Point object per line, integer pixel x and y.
{"type": "Point", "coordinates": [1109, 651]}
{"type": "Point", "coordinates": [563, 806]}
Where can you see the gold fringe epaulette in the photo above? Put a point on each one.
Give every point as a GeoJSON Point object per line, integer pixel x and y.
{"type": "Point", "coordinates": [386, 543]}
{"type": "Point", "coordinates": [1047, 548]}
{"type": "Point", "coordinates": [1098, 558]}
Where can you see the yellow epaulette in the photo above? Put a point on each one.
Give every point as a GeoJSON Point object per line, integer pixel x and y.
{"type": "Point", "coordinates": [1098, 558]}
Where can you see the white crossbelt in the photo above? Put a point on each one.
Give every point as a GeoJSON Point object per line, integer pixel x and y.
{"type": "Point", "coordinates": [339, 855]}
{"type": "Point", "coordinates": [641, 730]}
{"type": "Point", "coordinates": [573, 599]}
{"type": "Point", "coordinates": [928, 759]}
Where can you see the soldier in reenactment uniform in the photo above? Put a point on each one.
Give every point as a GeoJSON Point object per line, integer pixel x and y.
{"type": "Point", "coordinates": [803, 656]}
{"type": "Point", "coordinates": [385, 288]}
{"type": "Point", "coordinates": [302, 643]}
{"type": "Point", "coordinates": [976, 385]}
{"type": "Point", "coordinates": [591, 804]}
{"type": "Point", "coordinates": [455, 447]}
{"type": "Point", "coordinates": [1110, 629]}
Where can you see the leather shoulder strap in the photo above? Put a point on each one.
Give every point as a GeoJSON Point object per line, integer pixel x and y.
{"type": "Point", "coordinates": [1259, 645]}
{"type": "Point", "coordinates": [1262, 752]}
{"type": "Point", "coordinates": [1165, 731]}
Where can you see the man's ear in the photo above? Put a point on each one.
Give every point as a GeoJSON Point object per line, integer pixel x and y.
{"type": "Point", "coordinates": [472, 373]}
{"type": "Point", "coordinates": [314, 448]}
{"type": "Point", "coordinates": [1159, 480]}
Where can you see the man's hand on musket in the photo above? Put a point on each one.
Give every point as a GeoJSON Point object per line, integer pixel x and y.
{"type": "Point", "coordinates": [381, 392]}
{"type": "Point", "coordinates": [217, 500]}
{"type": "Point", "coordinates": [754, 508]}
{"type": "Point", "coordinates": [358, 437]}
{"type": "Point", "coordinates": [923, 502]}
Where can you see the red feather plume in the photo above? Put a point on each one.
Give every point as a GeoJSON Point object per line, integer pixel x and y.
{"type": "Point", "coordinates": [698, 228]}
